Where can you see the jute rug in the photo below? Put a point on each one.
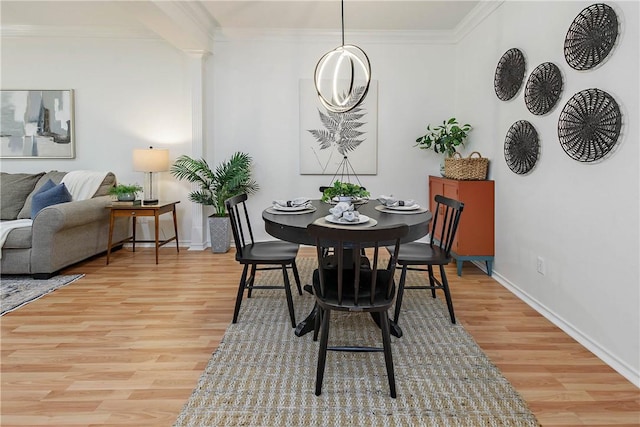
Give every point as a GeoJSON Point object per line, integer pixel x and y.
{"type": "Point", "coordinates": [263, 375]}
{"type": "Point", "coordinates": [16, 291]}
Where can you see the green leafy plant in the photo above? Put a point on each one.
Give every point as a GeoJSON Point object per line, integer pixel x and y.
{"type": "Point", "coordinates": [445, 137]}
{"type": "Point", "coordinates": [230, 178]}
{"type": "Point", "coordinates": [346, 189]}
{"type": "Point", "coordinates": [121, 189]}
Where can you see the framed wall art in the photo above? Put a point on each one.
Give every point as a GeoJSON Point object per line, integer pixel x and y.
{"type": "Point", "coordinates": [36, 124]}
{"type": "Point", "coordinates": [327, 137]}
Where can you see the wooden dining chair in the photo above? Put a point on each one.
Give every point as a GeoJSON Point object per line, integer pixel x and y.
{"type": "Point", "coordinates": [260, 256]}
{"type": "Point", "coordinates": [435, 253]}
{"type": "Point", "coordinates": [341, 283]}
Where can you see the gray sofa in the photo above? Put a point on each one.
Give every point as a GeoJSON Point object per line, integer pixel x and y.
{"type": "Point", "coordinates": [62, 234]}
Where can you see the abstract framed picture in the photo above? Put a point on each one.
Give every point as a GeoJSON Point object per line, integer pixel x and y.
{"type": "Point", "coordinates": [332, 141]}
{"type": "Point", "coordinates": [36, 124]}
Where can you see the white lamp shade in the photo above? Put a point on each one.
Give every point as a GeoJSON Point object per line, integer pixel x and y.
{"type": "Point", "coordinates": [151, 160]}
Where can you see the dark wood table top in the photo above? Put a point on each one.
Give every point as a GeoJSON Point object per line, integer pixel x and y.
{"type": "Point", "coordinates": [293, 228]}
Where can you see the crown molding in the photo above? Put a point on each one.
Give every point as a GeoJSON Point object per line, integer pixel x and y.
{"type": "Point", "coordinates": [334, 36]}
{"type": "Point", "coordinates": [53, 31]}
{"type": "Point", "coordinates": [478, 14]}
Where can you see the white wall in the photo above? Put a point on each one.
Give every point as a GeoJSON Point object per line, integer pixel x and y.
{"type": "Point", "coordinates": [128, 94]}
{"type": "Point", "coordinates": [255, 106]}
{"type": "Point", "coordinates": [582, 219]}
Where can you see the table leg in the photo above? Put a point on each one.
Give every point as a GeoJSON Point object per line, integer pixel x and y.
{"type": "Point", "coordinates": [134, 233]}
{"type": "Point", "coordinates": [111, 220]}
{"type": "Point", "coordinates": [157, 228]}
{"type": "Point", "coordinates": [175, 228]}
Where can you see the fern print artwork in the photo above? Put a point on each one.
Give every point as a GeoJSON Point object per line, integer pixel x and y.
{"type": "Point", "coordinates": [329, 136]}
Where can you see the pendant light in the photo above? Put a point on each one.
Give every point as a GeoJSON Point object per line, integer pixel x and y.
{"type": "Point", "coordinates": [342, 76]}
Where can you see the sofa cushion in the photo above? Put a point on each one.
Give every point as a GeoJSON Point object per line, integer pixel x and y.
{"type": "Point", "coordinates": [54, 176]}
{"type": "Point", "coordinates": [14, 190]}
{"type": "Point", "coordinates": [49, 194]}
{"type": "Point", "coordinates": [18, 238]}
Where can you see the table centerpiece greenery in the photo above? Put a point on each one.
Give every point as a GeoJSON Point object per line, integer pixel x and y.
{"type": "Point", "coordinates": [344, 189]}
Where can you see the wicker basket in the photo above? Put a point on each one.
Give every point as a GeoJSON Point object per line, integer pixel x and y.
{"type": "Point", "coordinates": [470, 168]}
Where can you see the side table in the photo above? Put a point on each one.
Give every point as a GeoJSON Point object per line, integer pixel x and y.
{"type": "Point", "coordinates": [135, 211]}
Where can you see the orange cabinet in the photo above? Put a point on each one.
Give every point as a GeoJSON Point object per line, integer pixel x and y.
{"type": "Point", "coordinates": [475, 236]}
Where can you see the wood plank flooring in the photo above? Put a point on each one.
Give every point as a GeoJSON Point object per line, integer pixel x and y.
{"type": "Point", "coordinates": [126, 344]}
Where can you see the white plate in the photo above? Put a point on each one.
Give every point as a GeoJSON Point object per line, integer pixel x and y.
{"type": "Point", "coordinates": [291, 208]}
{"type": "Point", "coordinates": [361, 220]}
{"type": "Point", "coordinates": [404, 208]}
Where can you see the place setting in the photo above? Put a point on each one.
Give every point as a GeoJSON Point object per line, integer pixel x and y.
{"type": "Point", "coordinates": [297, 206]}
{"type": "Point", "coordinates": [393, 205]}
{"type": "Point", "coordinates": [344, 214]}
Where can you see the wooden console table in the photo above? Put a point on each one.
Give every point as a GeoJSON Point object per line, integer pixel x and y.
{"type": "Point", "coordinates": [143, 210]}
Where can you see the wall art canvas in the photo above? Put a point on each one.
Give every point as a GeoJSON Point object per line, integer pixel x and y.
{"type": "Point", "coordinates": [327, 137]}
{"type": "Point", "coordinates": [36, 124]}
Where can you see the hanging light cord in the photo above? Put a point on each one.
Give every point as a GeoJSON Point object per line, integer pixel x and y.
{"type": "Point", "coordinates": [342, 10]}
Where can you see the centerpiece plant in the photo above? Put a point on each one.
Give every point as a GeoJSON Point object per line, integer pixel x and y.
{"type": "Point", "coordinates": [344, 189]}
{"type": "Point", "coordinates": [230, 178]}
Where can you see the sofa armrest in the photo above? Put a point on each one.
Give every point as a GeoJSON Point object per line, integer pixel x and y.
{"type": "Point", "coordinates": [68, 215]}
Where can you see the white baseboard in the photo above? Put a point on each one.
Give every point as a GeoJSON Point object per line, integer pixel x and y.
{"type": "Point", "coordinates": [618, 365]}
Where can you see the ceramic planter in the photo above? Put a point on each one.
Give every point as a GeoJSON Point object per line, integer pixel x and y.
{"type": "Point", "coordinates": [220, 233]}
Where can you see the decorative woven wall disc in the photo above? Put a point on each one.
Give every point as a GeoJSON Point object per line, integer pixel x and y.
{"type": "Point", "coordinates": [591, 36]}
{"type": "Point", "coordinates": [589, 125]}
{"type": "Point", "coordinates": [509, 74]}
{"type": "Point", "coordinates": [521, 147]}
{"type": "Point", "coordinates": [543, 88]}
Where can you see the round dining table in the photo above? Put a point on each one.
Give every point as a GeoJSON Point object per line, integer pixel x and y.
{"type": "Point", "coordinates": [291, 226]}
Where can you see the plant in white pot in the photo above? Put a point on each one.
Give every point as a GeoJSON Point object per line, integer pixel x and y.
{"type": "Point", "coordinates": [444, 139]}
{"type": "Point", "coordinates": [230, 178]}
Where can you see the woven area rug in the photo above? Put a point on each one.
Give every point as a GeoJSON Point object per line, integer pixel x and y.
{"type": "Point", "coordinates": [263, 375]}
{"type": "Point", "coordinates": [16, 291]}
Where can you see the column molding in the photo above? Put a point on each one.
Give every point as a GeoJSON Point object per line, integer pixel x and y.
{"type": "Point", "coordinates": [196, 72]}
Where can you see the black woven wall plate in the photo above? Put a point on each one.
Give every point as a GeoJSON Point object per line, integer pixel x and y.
{"type": "Point", "coordinates": [591, 36]}
{"type": "Point", "coordinates": [521, 147]}
{"type": "Point", "coordinates": [589, 125]}
{"type": "Point", "coordinates": [543, 88]}
{"type": "Point", "coordinates": [509, 74]}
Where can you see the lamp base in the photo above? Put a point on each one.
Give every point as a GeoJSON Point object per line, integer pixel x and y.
{"type": "Point", "coordinates": [150, 202]}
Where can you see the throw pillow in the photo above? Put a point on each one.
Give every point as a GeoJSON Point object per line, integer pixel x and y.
{"type": "Point", "coordinates": [48, 195]}
{"type": "Point", "coordinates": [54, 176]}
{"type": "Point", "coordinates": [14, 189]}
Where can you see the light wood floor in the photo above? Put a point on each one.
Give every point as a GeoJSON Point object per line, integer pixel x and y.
{"type": "Point", "coordinates": [126, 344]}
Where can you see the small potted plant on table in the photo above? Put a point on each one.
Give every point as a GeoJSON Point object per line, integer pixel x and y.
{"type": "Point", "coordinates": [125, 192]}
{"type": "Point", "coordinates": [344, 191]}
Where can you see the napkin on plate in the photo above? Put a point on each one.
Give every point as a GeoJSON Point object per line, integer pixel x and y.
{"type": "Point", "coordinates": [391, 201]}
{"type": "Point", "coordinates": [345, 211]}
{"type": "Point", "coordinates": [298, 201]}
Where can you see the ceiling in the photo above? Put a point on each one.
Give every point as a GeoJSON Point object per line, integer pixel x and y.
{"type": "Point", "coordinates": [180, 20]}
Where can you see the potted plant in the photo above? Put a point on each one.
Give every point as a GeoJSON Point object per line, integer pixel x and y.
{"type": "Point", "coordinates": [124, 192]}
{"type": "Point", "coordinates": [445, 137]}
{"type": "Point", "coordinates": [344, 189]}
{"type": "Point", "coordinates": [230, 178]}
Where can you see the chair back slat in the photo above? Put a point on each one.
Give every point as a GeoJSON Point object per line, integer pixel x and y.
{"type": "Point", "coordinates": [445, 222]}
{"type": "Point", "coordinates": [351, 241]}
{"type": "Point", "coordinates": [240, 223]}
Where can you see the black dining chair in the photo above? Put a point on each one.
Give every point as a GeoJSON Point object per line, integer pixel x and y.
{"type": "Point", "coordinates": [341, 283]}
{"type": "Point", "coordinates": [435, 253]}
{"type": "Point", "coordinates": [260, 256]}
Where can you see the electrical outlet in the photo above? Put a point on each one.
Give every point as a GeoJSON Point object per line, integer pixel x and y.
{"type": "Point", "coordinates": [540, 267]}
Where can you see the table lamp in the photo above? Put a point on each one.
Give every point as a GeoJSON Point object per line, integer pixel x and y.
{"type": "Point", "coordinates": [149, 161]}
